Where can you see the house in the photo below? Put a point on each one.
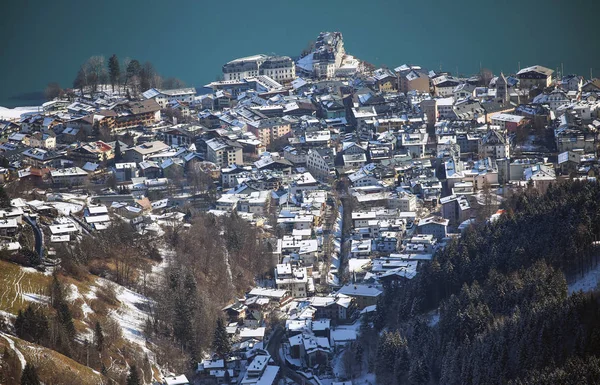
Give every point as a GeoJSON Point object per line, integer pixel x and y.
{"type": "Point", "coordinates": [181, 135]}
{"type": "Point", "coordinates": [494, 144]}
{"type": "Point", "coordinates": [176, 380]}
{"type": "Point", "coordinates": [436, 226]}
{"type": "Point", "coordinates": [144, 151]}
{"type": "Point", "coordinates": [94, 152]}
{"type": "Point", "coordinates": [315, 350]}
{"type": "Point", "coordinates": [320, 162]}
{"type": "Point", "coordinates": [235, 312]}
{"type": "Point", "coordinates": [39, 158]}
{"type": "Point", "coordinates": [535, 77]}
{"type": "Point", "coordinates": [338, 308]}
{"type": "Point", "coordinates": [125, 171]}
{"type": "Point", "coordinates": [412, 78]}
{"type": "Point", "coordinates": [293, 279]}
{"type": "Point", "coordinates": [541, 176]}
{"type": "Point", "coordinates": [364, 295]}
{"type": "Point", "coordinates": [43, 140]}
{"type": "Point", "coordinates": [73, 176]}
{"type": "Point", "coordinates": [455, 209]}
{"type": "Point", "coordinates": [444, 85]}
{"type": "Point", "coordinates": [508, 122]}
{"type": "Point", "coordinates": [164, 97]}
{"type": "Point", "coordinates": [224, 152]}
{"type": "Point", "coordinates": [130, 114]}
{"type": "Point", "coordinates": [8, 227]}
{"type": "Point", "coordinates": [259, 372]}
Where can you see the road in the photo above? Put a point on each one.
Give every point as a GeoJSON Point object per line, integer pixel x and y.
{"type": "Point", "coordinates": [273, 349]}
{"type": "Point", "coordinates": [39, 237]}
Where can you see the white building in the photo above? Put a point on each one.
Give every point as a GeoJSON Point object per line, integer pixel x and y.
{"type": "Point", "coordinates": [244, 67]}
{"type": "Point", "coordinates": [279, 68]}
{"type": "Point", "coordinates": [293, 279]}
{"type": "Point", "coordinates": [164, 97]}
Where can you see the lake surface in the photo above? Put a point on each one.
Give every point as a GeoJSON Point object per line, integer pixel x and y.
{"type": "Point", "coordinates": [45, 41]}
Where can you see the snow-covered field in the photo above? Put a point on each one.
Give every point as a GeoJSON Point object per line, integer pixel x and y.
{"type": "Point", "coordinates": [15, 113]}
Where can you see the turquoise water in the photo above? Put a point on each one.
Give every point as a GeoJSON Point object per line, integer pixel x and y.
{"type": "Point", "coordinates": [44, 41]}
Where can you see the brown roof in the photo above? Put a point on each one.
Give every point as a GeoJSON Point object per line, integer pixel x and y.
{"type": "Point", "coordinates": [145, 106]}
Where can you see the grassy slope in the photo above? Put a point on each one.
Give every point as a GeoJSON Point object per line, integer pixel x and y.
{"type": "Point", "coordinates": [53, 367]}
{"type": "Point", "coordinates": [14, 281]}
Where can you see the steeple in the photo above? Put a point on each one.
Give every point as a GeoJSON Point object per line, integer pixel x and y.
{"type": "Point", "coordinates": [502, 89]}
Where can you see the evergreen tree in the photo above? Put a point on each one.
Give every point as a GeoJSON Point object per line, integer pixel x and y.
{"type": "Point", "coordinates": [57, 293]}
{"type": "Point", "coordinates": [419, 373]}
{"type": "Point", "coordinates": [31, 325]}
{"type": "Point", "coordinates": [221, 343]}
{"type": "Point", "coordinates": [99, 337]}
{"type": "Point", "coordinates": [134, 377]}
{"type": "Point", "coordinates": [358, 355]}
{"type": "Point", "coordinates": [4, 199]}
{"type": "Point", "coordinates": [118, 154]}
{"type": "Point", "coordinates": [29, 376]}
{"type": "Point", "coordinates": [65, 318]}
{"type": "Point", "coordinates": [114, 71]}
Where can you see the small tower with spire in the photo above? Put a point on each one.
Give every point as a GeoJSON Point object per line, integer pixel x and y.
{"type": "Point", "coordinates": [502, 89]}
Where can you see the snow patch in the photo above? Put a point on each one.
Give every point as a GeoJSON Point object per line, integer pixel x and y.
{"type": "Point", "coordinates": [11, 343]}
{"type": "Point", "coordinates": [587, 283]}
{"type": "Point", "coordinates": [130, 317]}
{"type": "Point", "coordinates": [34, 297]}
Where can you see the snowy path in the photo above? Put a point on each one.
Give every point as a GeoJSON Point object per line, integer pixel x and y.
{"type": "Point", "coordinates": [20, 355]}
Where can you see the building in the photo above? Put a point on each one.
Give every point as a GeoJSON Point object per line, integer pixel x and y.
{"type": "Point", "coordinates": [494, 144]}
{"type": "Point", "coordinates": [94, 152]}
{"type": "Point", "coordinates": [444, 85]}
{"type": "Point", "coordinates": [279, 68]}
{"type": "Point", "coordinates": [326, 58]}
{"type": "Point", "coordinates": [259, 372]}
{"type": "Point", "coordinates": [176, 380]}
{"type": "Point", "coordinates": [436, 226]}
{"type": "Point", "coordinates": [412, 78]}
{"type": "Point", "coordinates": [144, 151]}
{"type": "Point", "coordinates": [224, 152]}
{"type": "Point", "coordinates": [164, 97]}
{"type": "Point", "coordinates": [535, 76]}
{"type": "Point", "coordinates": [541, 176]}
{"type": "Point", "coordinates": [45, 140]}
{"type": "Point", "coordinates": [245, 67]}
{"type": "Point", "coordinates": [269, 130]}
{"type": "Point", "coordinates": [508, 122]}
{"type": "Point", "coordinates": [364, 295]}
{"type": "Point", "coordinates": [502, 95]}
{"type": "Point", "coordinates": [293, 279]}
{"type": "Point", "coordinates": [73, 176]}
{"type": "Point", "coordinates": [320, 162]}
{"type": "Point", "coordinates": [455, 209]}
{"type": "Point", "coordinates": [131, 114]}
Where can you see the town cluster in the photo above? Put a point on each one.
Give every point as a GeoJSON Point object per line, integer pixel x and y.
{"type": "Point", "coordinates": [356, 175]}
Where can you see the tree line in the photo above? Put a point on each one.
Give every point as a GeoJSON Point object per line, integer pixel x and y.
{"type": "Point", "coordinates": [128, 77]}
{"type": "Point", "coordinates": [504, 311]}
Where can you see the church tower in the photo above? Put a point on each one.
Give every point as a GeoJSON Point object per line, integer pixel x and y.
{"type": "Point", "coordinates": [502, 89]}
